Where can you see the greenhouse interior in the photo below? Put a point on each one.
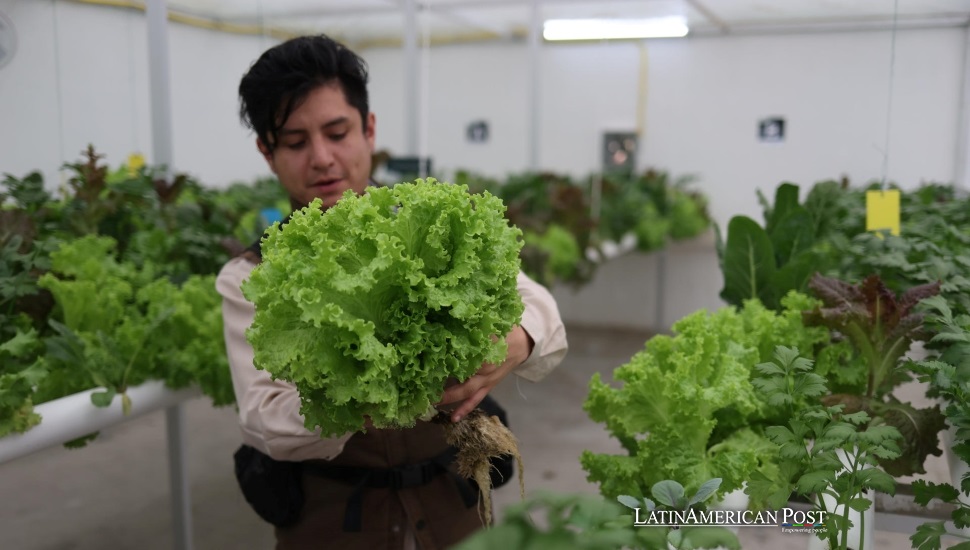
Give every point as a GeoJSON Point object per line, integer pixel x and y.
{"type": "Point", "coordinates": [556, 237]}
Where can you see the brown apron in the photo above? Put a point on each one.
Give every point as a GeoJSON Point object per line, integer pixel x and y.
{"type": "Point", "coordinates": [435, 513]}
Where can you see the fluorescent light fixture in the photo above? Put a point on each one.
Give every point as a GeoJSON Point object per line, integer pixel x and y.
{"type": "Point", "coordinates": [607, 29]}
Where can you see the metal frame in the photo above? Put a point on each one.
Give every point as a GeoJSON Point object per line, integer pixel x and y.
{"type": "Point", "coordinates": [75, 416]}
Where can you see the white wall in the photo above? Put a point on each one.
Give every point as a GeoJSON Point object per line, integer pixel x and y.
{"type": "Point", "coordinates": [703, 97]}
{"type": "Point", "coordinates": [833, 89]}
{"type": "Point", "coordinates": [80, 76]}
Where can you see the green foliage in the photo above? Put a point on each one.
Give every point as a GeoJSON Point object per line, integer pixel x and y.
{"type": "Point", "coordinates": [788, 381]}
{"type": "Point", "coordinates": [570, 521]}
{"type": "Point", "coordinates": [823, 450]}
{"type": "Point", "coordinates": [187, 346]}
{"type": "Point", "coordinates": [652, 207]}
{"type": "Point", "coordinates": [112, 283]}
{"type": "Point", "coordinates": [686, 407]}
{"type": "Point", "coordinates": [671, 497]}
{"type": "Point", "coordinates": [593, 523]}
{"type": "Point", "coordinates": [371, 306]}
{"type": "Point", "coordinates": [766, 263]}
{"type": "Point", "coordinates": [96, 304]}
{"type": "Point", "coordinates": [881, 326]}
{"type": "Point", "coordinates": [649, 207]}
{"type": "Point", "coordinates": [948, 377]}
{"type": "Point", "coordinates": [550, 256]}
{"type": "Point", "coordinates": [547, 207]}
{"type": "Point", "coordinates": [20, 371]}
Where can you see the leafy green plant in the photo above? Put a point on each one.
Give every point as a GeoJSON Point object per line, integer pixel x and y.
{"type": "Point", "coordinates": [881, 326]}
{"type": "Point", "coordinates": [568, 521]}
{"type": "Point", "coordinates": [104, 337]}
{"type": "Point", "coordinates": [687, 409]}
{"type": "Point", "coordinates": [653, 206]}
{"type": "Point", "coordinates": [929, 535]}
{"type": "Point", "coordinates": [948, 375]}
{"type": "Point", "coordinates": [550, 256]}
{"type": "Point", "coordinates": [554, 216]}
{"type": "Point", "coordinates": [110, 283]}
{"type": "Point", "coordinates": [20, 370]}
{"type": "Point", "coordinates": [594, 523]}
{"type": "Point", "coordinates": [766, 263]}
{"type": "Point", "coordinates": [809, 462]}
{"type": "Point", "coordinates": [671, 496]}
{"type": "Point", "coordinates": [931, 249]}
{"type": "Point", "coordinates": [410, 284]}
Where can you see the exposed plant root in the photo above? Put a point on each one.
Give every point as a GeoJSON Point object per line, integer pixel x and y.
{"type": "Point", "coordinates": [478, 438]}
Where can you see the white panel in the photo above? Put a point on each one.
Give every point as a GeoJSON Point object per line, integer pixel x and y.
{"type": "Point", "coordinates": [210, 141]}
{"type": "Point", "coordinates": [29, 124]}
{"type": "Point", "coordinates": [466, 83]}
{"type": "Point", "coordinates": [586, 89]}
{"type": "Point", "coordinates": [706, 96]}
{"type": "Point", "coordinates": [744, 11]}
{"type": "Point", "coordinates": [99, 97]}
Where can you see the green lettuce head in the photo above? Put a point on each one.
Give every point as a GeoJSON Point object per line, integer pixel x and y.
{"type": "Point", "coordinates": [369, 307]}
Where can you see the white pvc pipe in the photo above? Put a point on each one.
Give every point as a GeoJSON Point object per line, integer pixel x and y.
{"type": "Point", "coordinates": [74, 416]}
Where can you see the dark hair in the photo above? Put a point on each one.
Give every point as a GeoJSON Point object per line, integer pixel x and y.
{"type": "Point", "coordinates": [285, 74]}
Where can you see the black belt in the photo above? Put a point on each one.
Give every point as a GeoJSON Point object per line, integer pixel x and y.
{"type": "Point", "coordinates": [398, 477]}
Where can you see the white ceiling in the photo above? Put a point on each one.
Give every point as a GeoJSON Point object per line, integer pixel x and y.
{"type": "Point", "coordinates": [384, 21]}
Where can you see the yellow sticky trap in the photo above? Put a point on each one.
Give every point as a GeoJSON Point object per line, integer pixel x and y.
{"type": "Point", "coordinates": [882, 211]}
{"type": "Point", "coordinates": [135, 162]}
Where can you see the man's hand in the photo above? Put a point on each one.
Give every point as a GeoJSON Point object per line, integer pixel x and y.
{"type": "Point", "coordinates": [471, 392]}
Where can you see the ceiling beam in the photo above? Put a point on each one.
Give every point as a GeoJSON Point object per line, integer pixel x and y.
{"type": "Point", "coordinates": [393, 7]}
{"type": "Point", "coordinates": [856, 24]}
{"type": "Point", "coordinates": [709, 15]}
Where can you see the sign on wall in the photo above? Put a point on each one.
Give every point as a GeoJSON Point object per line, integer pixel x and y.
{"type": "Point", "coordinates": [619, 151]}
{"type": "Point", "coordinates": [477, 131]}
{"type": "Point", "coordinates": [771, 130]}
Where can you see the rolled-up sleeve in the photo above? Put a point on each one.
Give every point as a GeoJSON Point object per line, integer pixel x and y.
{"type": "Point", "coordinates": [269, 410]}
{"type": "Point", "coordinates": [541, 320]}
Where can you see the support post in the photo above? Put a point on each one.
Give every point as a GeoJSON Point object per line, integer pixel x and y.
{"type": "Point", "coordinates": [535, 42]}
{"type": "Point", "coordinates": [178, 479]}
{"type": "Point", "coordinates": [156, 12]}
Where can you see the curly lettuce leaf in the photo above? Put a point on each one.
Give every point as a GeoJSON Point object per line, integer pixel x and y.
{"type": "Point", "coordinates": [370, 307]}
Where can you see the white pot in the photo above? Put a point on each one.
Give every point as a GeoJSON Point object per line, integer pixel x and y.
{"type": "Point", "coordinates": [860, 521]}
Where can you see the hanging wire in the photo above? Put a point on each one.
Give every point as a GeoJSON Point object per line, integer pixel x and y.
{"type": "Point", "coordinates": [889, 106]}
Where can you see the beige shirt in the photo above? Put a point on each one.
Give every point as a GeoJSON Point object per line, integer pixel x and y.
{"type": "Point", "coordinates": [269, 410]}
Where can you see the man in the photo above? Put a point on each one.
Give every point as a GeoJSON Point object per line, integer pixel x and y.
{"type": "Point", "coordinates": [306, 100]}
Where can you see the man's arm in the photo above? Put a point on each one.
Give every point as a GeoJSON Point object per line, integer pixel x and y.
{"type": "Point", "coordinates": [269, 410]}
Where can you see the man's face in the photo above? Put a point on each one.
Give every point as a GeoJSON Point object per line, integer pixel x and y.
{"type": "Point", "coordinates": [323, 148]}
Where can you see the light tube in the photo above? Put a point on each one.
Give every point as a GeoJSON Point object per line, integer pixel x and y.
{"type": "Point", "coordinates": [612, 29]}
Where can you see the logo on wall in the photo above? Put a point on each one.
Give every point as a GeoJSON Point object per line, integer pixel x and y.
{"type": "Point", "coordinates": [771, 130]}
{"type": "Point", "coordinates": [477, 131]}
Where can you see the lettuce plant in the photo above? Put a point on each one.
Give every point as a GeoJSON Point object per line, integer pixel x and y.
{"type": "Point", "coordinates": [372, 306]}
{"type": "Point", "coordinates": [881, 326]}
{"type": "Point", "coordinates": [687, 409]}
